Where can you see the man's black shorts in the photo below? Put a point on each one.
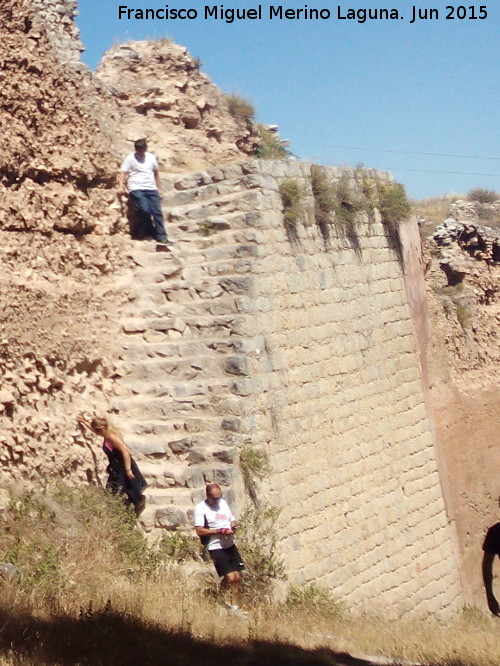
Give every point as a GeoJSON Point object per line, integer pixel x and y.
{"type": "Point", "coordinates": [226, 560]}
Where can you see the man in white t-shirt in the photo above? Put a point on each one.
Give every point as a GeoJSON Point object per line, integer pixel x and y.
{"type": "Point", "coordinates": [140, 170]}
{"type": "Point", "coordinates": [215, 525]}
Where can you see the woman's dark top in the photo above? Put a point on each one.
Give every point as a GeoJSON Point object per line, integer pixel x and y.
{"type": "Point", "coordinates": [118, 480]}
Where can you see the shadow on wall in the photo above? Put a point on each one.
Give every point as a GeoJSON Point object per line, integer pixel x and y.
{"type": "Point", "coordinates": [111, 638]}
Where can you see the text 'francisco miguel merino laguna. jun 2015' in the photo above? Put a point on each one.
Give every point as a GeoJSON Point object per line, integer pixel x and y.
{"type": "Point", "coordinates": [227, 14]}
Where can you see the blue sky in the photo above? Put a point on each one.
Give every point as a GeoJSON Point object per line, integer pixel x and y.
{"type": "Point", "coordinates": [384, 93]}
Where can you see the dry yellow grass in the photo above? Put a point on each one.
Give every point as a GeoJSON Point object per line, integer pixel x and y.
{"type": "Point", "coordinates": [100, 599]}
{"type": "Point", "coordinates": [144, 622]}
{"type": "Point", "coordinates": [435, 210]}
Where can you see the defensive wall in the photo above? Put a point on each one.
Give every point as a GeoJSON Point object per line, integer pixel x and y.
{"type": "Point", "coordinates": [305, 349]}
{"type": "Point", "coordinates": [337, 400]}
{"type": "Point", "coordinates": [59, 17]}
{"type": "Point", "coordinates": [256, 333]}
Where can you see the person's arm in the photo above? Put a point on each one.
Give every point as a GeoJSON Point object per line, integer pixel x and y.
{"type": "Point", "coordinates": [122, 176]}
{"type": "Point", "coordinates": [487, 569]}
{"type": "Point", "coordinates": [83, 421]}
{"type": "Point", "coordinates": [118, 443]}
{"type": "Point", "coordinates": [206, 531]}
{"type": "Point", "coordinates": [157, 180]}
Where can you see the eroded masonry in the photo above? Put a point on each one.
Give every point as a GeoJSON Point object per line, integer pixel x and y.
{"type": "Point", "coordinates": [264, 329]}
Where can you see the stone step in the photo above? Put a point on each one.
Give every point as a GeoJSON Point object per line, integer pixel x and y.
{"type": "Point", "coordinates": [216, 193]}
{"type": "Point", "coordinates": [176, 389]}
{"type": "Point", "coordinates": [188, 180]}
{"type": "Point", "coordinates": [186, 448]}
{"type": "Point", "coordinates": [140, 353]}
{"type": "Point", "coordinates": [171, 477]}
{"type": "Point", "coordinates": [204, 193]}
{"type": "Point", "coordinates": [147, 251]}
{"type": "Point", "coordinates": [207, 368]}
{"type": "Point", "coordinates": [200, 324]}
{"type": "Point", "coordinates": [193, 275]}
{"type": "Point", "coordinates": [162, 408]}
{"type": "Point", "coordinates": [133, 318]}
{"type": "Point", "coordinates": [174, 429]}
{"type": "Point", "coordinates": [168, 496]}
{"type": "Point", "coordinates": [219, 206]}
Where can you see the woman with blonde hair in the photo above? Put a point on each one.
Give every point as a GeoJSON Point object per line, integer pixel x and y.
{"type": "Point", "coordinates": [124, 476]}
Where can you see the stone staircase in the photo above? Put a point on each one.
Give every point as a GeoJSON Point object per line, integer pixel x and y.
{"type": "Point", "coordinates": [184, 334]}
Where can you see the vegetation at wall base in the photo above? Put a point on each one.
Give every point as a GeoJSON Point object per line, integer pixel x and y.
{"type": "Point", "coordinates": [257, 541]}
{"type": "Point", "coordinates": [314, 600]}
{"type": "Point", "coordinates": [96, 603]}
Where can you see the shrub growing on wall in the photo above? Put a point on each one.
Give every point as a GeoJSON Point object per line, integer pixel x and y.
{"type": "Point", "coordinates": [324, 201]}
{"type": "Point", "coordinates": [239, 107]}
{"type": "Point", "coordinates": [394, 207]}
{"type": "Point", "coordinates": [292, 196]}
{"type": "Point", "coordinates": [270, 147]}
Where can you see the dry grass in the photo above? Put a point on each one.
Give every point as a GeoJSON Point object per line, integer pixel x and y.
{"type": "Point", "coordinates": [435, 210]}
{"type": "Point", "coordinates": [118, 605]}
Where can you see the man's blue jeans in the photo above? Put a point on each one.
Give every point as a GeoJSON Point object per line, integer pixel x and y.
{"type": "Point", "coordinates": [148, 206]}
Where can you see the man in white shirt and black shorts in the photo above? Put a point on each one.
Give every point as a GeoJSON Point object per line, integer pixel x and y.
{"type": "Point", "coordinates": [215, 525]}
{"type": "Point", "coordinates": [140, 170]}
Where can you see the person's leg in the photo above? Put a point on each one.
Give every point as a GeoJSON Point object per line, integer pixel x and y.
{"type": "Point", "coordinates": [234, 583]}
{"type": "Point", "coordinates": [154, 202]}
{"type": "Point", "coordinates": [142, 208]}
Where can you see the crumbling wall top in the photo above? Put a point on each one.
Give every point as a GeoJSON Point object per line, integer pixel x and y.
{"type": "Point", "coordinates": [59, 18]}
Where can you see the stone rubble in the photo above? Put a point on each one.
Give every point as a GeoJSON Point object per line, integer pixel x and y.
{"type": "Point", "coordinates": [162, 95]}
{"type": "Point", "coordinates": [464, 273]}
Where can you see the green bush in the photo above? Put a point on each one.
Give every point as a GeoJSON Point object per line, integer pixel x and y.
{"type": "Point", "coordinates": [481, 195]}
{"type": "Point", "coordinates": [394, 207]}
{"type": "Point", "coordinates": [324, 201]}
{"type": "Point", "coordinates": [348, 204]}
{"type": "Point", "coordinates": [270, 147]}
{"type": "Point", "coordinates": [293, 209]}
{"type": "Point", "coordinates": [314, 601]}
{"type": "Point", "coordinates": [239, 107]}
{"type": "Point", "coordinates": [338, 204]}
{"type": "Point", "coordinates": [257, 539]}
{"type": "Point", "coordinates": [254, 465]}
{"type": "Point", "coordinates": [178, 547]}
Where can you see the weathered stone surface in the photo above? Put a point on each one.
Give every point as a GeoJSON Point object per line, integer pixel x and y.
{"type": "Point", "coordinates": [225, 455]}
{"type": "Point", "coordinates": [170, 518]}
{"type": "Point", "coordinates": [232, 424]}
{"type": "Point", "coordinates": [162, 94]}
{"type": "Point", "coordinates": [149, 449]}
{"type": "Point", "coordinates": [236, 365]}
{"type": "Point", "coordinates": [181, 445]}
{"type": "Point", "coordinates": [224, 476]}
{"type": "Point", "coordinates": [195, 478]}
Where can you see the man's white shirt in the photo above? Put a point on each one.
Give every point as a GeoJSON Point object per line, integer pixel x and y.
{"type": "Point", "coordinates": [140, 174]}
{"type": "Point", "coordinates": [218, 517]}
